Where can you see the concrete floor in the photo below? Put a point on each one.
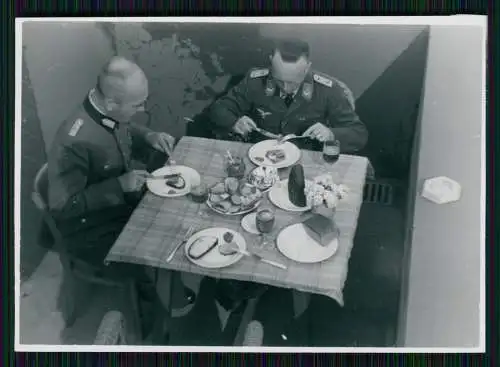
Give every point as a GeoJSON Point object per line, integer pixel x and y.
{"type": "Point", "coordinates": [368, 318]}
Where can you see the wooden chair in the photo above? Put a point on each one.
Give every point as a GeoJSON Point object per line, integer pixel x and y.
{"type": "Point", "coordinates": [75, 271]}
{"type": "Point", "coordinates": [113, 331]}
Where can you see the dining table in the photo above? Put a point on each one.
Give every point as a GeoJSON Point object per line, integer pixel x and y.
{"type": "Point", "coordinates": [159, 223]}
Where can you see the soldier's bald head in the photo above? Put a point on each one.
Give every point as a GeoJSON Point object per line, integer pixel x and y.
{"type": "Point", "coordinates": [122, 81]}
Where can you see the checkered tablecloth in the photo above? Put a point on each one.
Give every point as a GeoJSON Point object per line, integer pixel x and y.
{"type": "Point", "coordinates": [158, 224]}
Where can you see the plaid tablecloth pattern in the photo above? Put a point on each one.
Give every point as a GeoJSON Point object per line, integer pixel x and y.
{"type": "Point", "coordinates": [158, 224]}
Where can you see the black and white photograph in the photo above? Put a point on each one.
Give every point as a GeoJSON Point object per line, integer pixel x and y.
{"type": "Point", "coordinates": [250, 184]}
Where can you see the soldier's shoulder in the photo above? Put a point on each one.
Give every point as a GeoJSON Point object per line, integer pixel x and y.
{"type": "Point", "coordinates": [256, 73]}
{"type": "Point", "coordinates": [323, 79]}
{"type": "Point", "coordinates": [77, 126]}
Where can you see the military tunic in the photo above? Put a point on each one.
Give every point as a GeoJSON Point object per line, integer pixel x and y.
{"type": "Point", "coordinates": [85, 198]}
{"type": "Point", "coordinates": [320, 98]}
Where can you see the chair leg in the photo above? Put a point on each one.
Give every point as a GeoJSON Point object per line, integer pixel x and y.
{"type": "Point", "coordinates": [136, 314]}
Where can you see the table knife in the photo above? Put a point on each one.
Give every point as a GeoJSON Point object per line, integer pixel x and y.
{"type": "Point", "coordinates": [267, 133]}
{"type": "Point", "coordinates": [260, 258]}
{"type": "Point", "coordinates": [164, 177]}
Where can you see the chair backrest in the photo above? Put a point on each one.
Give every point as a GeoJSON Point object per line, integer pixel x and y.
{"type": "Point", "coordinates": [347, 92]}
{"type": "Point", "coordinates": [40, 196]}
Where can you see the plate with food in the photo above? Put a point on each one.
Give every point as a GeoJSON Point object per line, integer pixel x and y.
{"type": "Point", "coordinates": [233, 197]}
{"type": "Point", "coordinates": [173, 181]}
{"type": "Point", "coordinates": [263, 177]}
{"type": "Point", "coordinates": [291, 194]}
{"type": "Point", "coordinates": [270, 153]}
{"type": "Point", "coordinates": [312, 241]}
{"type": "Point", "coordinates": [215, 247]}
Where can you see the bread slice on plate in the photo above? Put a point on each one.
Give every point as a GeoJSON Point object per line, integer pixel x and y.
{"type": "Point", "coordinates": [321, 229]}
{"type": "Point", "coordinates": [202, 246]}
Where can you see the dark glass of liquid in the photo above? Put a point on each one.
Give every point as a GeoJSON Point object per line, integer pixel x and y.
{"type": "Point", "coordinates": [235, 167]}
{"type": "Point", "coordinates": [199, 194]}
{"type": "Point", "coordinates": [265, 221]}
{"type": "Point", "coordinates": [331, 151]}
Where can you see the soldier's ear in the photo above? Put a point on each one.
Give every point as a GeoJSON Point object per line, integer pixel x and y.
{"type": "Point", "coordinates": [308, 67]}
{"type": "Point", "coordinates": [110, 104]}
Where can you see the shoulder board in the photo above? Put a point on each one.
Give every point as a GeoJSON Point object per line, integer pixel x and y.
{"type": "Point", "coordinates": [258, 73]}
{"type": "Point", "coordinates": [323, 80]}
{"type": "Point", "coordinates": [76, 127]}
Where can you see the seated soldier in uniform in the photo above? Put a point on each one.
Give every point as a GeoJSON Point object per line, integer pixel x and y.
{"type": "Point", "coordinates": [290, 98]}
{"type": "Point", "coordinates": [92, 187]}
{"type": "Point", "coordinates": [286, 98]}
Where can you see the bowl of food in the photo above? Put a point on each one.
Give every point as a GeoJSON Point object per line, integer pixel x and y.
{"type": "Point", "coordinates": [233, 197]}
{"type": "Point", "coordinates": [263, 177]}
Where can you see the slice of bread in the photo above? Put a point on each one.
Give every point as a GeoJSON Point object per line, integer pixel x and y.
{"type": "Point", "coordinates": [202, 246]}
{"type": "Point", "coordinates": [321, 229]}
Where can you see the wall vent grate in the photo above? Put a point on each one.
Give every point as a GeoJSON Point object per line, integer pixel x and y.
{"type": "Point", "coordinates": [378, 193]}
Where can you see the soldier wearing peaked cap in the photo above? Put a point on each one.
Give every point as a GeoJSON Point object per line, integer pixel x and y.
{"type": "Point", "coordinates": [289, 97]}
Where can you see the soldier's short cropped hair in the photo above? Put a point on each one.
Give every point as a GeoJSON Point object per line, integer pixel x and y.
{"type": "Point", "coordinates": [291, 49]}
{"type": "Point", "coordinates": [112, 80]}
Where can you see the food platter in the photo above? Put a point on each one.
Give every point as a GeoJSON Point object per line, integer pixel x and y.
{"type": "Point", "coordinates": [234, 197]}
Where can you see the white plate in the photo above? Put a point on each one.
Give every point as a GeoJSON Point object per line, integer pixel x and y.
{"type": "Point", "coordinates": [292, 153]}
{"type": "Point", "coordinates": [294, 242]}
{"type": "Point", "coordinates": [253, 207]}
{"type": "Point", "coordinates": [248, 223]}
{"type": "Point", "coordinates": [278, 195]}
{"type": "Point", "coordinates": [158, 186]}
{"type": "Point", "coordinates": [214, 259]}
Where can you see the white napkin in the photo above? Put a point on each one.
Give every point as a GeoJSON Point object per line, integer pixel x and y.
{"type": "Point", "coordinates": [441, 190]}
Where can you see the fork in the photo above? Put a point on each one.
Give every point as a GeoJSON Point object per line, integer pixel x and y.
{"type": "Point", "coordinates": [188, 234]}
{"type": "Point", "coordinates": [290, 137]}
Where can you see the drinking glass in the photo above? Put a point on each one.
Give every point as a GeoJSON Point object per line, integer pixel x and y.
{"type": "Point", "coordinates": [199, 195]}
{"type": "Point", "coordinates": [264, 221]}
{"type": "Point", "coordinates": [331, 151]}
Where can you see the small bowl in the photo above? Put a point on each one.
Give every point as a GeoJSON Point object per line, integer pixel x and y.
{"type": "Point", "coordinates": [254, 179]}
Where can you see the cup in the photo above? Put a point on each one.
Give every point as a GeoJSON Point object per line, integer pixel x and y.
{"type": "Point", "coordinates": [331, 151]}
{"type": "Point", "coordinates": [199, 193]}
{"type": "Point", "coordinates": [235, 167]}
{"type": "Point", "coordinates": [264, 220]}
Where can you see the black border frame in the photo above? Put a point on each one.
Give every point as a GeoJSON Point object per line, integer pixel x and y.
{"type": "Point", "coordinates": [344, 8]}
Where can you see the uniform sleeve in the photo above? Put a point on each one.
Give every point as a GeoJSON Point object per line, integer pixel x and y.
{"type": "Point", "coordinates": [138, 134]}
{"type": "Point", "coordinates": [349, 130]}
{"type": "Point", "coordinates": [69, 195]}
{"type": "Point", "coordinates": [228, 109]}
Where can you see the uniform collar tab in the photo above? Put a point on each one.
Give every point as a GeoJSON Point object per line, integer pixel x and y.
{"type": "Point", "coordinates": [98, 116]}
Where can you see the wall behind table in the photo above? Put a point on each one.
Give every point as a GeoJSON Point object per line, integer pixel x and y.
{"type": "Point", "coordinates": [63, 60]}
{"type": "Point", "coordinates": [356, 54]}
{"type": "Point", "coordinates": [32, 158]}
{"type": "Point", "coordinates": [189, 65]}
{"type": "Point", "coordinates": [441, 306]}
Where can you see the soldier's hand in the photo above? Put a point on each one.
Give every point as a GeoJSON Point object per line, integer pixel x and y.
{"type": "Point", "coordinates": [244, 126]}
{"type": "Point", "coordinates": [133, 181]}
{"type": "Point", "coordinates": [319, 132]}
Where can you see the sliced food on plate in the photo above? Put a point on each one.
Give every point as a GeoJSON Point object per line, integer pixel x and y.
{"type": "Point", "coordinates": [201, 246]}
{"type": "Point", "coordinates": [176, 181]}
{"type": "Point", "coordinates": [233, 196]}
{"type": "Point", "coordinates": [276, 155]}
{"type": "Point", "coordinates": [263, 177]}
